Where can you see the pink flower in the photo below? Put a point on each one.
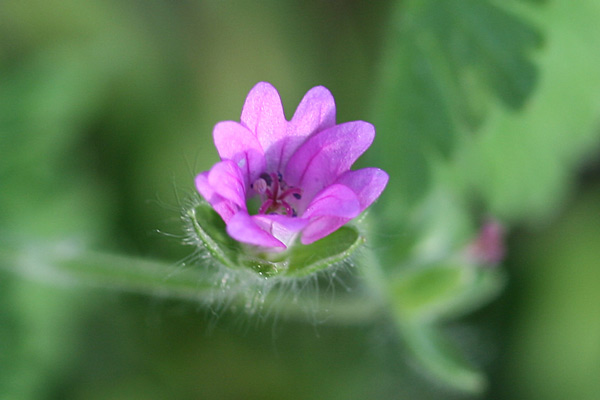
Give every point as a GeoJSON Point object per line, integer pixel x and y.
{"type": "Point", "coordinates": [298, 170]}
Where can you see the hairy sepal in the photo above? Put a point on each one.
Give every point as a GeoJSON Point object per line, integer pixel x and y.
{"type": "Point", "coordinates": [207, 230]}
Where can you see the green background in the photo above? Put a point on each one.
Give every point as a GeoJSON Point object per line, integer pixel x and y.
{"type": "Point", "coordinates": [482, 108]}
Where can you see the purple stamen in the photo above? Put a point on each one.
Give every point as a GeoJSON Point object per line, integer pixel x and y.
{"type": "Point", "coordinates": [275, 185]}
{"type": "Point", "coordinates": [297, 193]}
{"type": "Point", "coordinates": [268, 179]}
{"type": "Point", "coordinates": [265, 206]}
{"type": "Point", "coordinates": [274, 192]}
{"type": "Point", "coordinates": [288, 209]}
{"type": "Point", "coordinates": [259, 185]}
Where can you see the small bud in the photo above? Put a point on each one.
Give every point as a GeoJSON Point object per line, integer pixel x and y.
{"type": "Point", "coordinates": [488, 248]}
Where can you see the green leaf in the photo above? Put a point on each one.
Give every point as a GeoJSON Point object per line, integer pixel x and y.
{"type": "Point", "coordinates": [298, 261]}
{"type": "Point", "coordinates": [522, 163]}
{"type": "Point", "coordinates": [441, 359]}
{"type": "Point", "coordinates": [444, 64]}
{"type": "Point", "coordinates": [492, 43]}
{"type": "Point", "coordinates": [444, 291]}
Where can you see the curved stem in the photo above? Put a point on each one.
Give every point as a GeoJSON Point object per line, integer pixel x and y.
{"type": "Point", "coordinates": [68, 263]}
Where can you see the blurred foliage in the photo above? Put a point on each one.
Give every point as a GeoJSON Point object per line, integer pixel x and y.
{"type": "Point", "coordinates": [552, 336]}
{"type": "Point", "coordinates": [457, 56]}
{"type": "Point", "coordinates": [521, 164]}
{"type": "Point", "coordinates": [482, 108]}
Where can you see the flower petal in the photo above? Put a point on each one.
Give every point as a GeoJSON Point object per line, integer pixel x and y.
{"type": "Point", "coordinates": [336, 200]}
{"type": "Point", "coordinates": [315, 113]}
{"type": "Point", "coordinates": [263, 115]}
{"type": "Point", "coordinates": [326, 155]}
{"type": "Point", "coordinates": [321, 227]}
{"type": "Point", "coordinates": [282, 227]}
{"type": "Point", "coordinates": [244, 228]}
{"type": "Point", "coordinates": [227, 180]}
{"type": "Point", "coordinates": [235, 142]}
{"type": "Point", "coordinates": [328, 211]}
{"type": "Point", "coordinates": [225, 208]}
{"type": "Point", "coordinates": [367, 184]}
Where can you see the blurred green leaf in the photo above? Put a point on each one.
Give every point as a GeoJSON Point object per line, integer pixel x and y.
{"type": "Point", "coordinates": [443, 64]}
{"type": "Point", "coordinates": [441, 359]}
{"type": "Point", "coordinates": [521, 163]}
{"type": "Point", "coordinates": [440, 292]}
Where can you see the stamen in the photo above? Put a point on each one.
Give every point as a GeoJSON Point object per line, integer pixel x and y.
{"type": "Point", "coordinates": [267, 178]}
{"type": "Point", "coordinates": [265, 206]}
{"type": "Point", "coordinates": [297, 193]}
{"type": "Point", "coordinates": [288, 209]}
{"type": "Point", "coordinates": [275, 186]}
{"type": "Point", "coordinates": [259, 185]}
{"type": "Point", "coordinates": [274, 191]}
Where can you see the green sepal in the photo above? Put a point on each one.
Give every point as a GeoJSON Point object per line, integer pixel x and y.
{"type": "Point", "coordinates": [209, 228]}
{"type": "Point", "coordinates": [297, 261]}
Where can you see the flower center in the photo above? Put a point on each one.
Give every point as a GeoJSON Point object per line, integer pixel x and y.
{"type": "Point", "coordinates": [275, 194]}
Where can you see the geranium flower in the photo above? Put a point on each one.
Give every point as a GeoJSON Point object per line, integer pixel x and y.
{"type": "Point", "coordinates": [278, 179]}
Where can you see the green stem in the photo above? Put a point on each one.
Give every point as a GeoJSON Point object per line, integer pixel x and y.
{"type": "Point", "coordinates": [67, 263]}
{"type": "Point", "coordinates": [343, 310]}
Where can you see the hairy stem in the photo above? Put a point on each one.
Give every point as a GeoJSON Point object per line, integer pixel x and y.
{"type": "Point", "coordinates": [70, 264]}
